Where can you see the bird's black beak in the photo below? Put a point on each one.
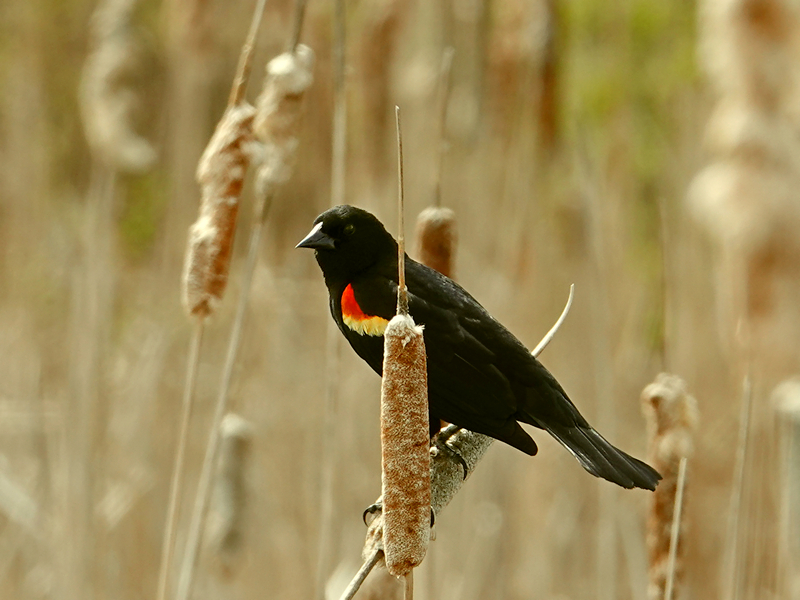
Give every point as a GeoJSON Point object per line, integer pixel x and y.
{"type": "Point", "coordinates": [316, 238]}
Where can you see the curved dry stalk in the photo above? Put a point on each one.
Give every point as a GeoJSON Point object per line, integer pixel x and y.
{"type": "Point", "coordinates": [168, 543]}
{"type": "Point", "coordinates": [550, 334]}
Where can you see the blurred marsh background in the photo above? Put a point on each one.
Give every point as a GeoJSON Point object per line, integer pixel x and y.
{"type": "Point", "coordinates": [646, 151]}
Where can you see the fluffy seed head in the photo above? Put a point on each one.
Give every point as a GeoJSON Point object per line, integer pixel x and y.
{"type": "Point", "coordinates": [405, 447]}
{"type": "Point", "coordinates": [220, 172]}
{"type": "Point", "coordinates": [279, 109]}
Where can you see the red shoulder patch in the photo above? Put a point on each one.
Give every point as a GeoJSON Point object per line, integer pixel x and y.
{"type": "Point", "coordinates": [356, 319]}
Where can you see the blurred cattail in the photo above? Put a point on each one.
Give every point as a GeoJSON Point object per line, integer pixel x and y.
{"type": "Point", "coordinates": [221, 173]}
{"type": "Point", "coordinates": [277, 120]}
{"type": "Point", "coordinates": [747, 197]}
{"type": "Point", "coordinates": [405, 447]}
{"type": "Point", "coordinates": [107, 97]}
{"type": "Point", "coordinates": [226, 518]}
{"type": "Point", "coordinates": [671, 415]}
{"type": "Point", "coordinates": [437, 238]}
{"type": "Point", "coordinates": [379, 35]}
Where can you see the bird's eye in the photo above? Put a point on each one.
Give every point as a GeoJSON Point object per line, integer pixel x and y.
{"type": "Point", "coordinates": [349, 229]}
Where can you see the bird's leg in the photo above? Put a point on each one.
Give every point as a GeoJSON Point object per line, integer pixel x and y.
{"type": "Point", "coordinates": [439, 441]}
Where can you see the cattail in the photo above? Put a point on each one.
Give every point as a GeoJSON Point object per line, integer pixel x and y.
{"type": "Point", "coordinates": [226, 519]}
{"type": "Point", "coordinates": [405, 446]}
{"type": "Point", "coordinates": [107, 99]}
{"type": "Point", "coordinates": [277, 121]}
{"type": "Point", "coordinates": [437, 238]}
{"type": "Point", "coordinates": [221, 173]}
{"type": "Point", "coordinates": [671, 415]}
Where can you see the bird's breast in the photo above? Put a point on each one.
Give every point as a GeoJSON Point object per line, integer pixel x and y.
{"type": "Point", "coordinates": [356, 319]}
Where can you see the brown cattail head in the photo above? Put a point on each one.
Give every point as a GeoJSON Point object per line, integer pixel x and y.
{"type": "Point", "coordinates": [671, 415]}
{"type": "Point", "coordinates": [221, 174]}
{"type": "Point", "coordinates": [436, 239]}
{"type": "Point", "coordinates": [226, 520]}
{"type": "Point", "coordinates": [107, 97]}
{"type": "Point", "coordinates": [405, 447]}
{"type": "Point", "coordinates": [279, 108]}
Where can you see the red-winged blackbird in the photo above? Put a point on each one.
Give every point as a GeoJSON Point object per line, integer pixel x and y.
{"type": "Point", "coordinates": [480, 376]}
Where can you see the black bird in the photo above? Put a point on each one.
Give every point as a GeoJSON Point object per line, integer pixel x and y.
{"type": "Point", "coordinates": [480, 376]}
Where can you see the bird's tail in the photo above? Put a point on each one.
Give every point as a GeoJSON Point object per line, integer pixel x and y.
{"type": "Point", "coordinates": [602, 459]}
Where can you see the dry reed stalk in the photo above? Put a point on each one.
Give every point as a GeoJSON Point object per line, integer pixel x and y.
{"type": "Point", "coordinates": [671, 415]}
{"type": "Point", "coordinates": [226, 521]}
{"type": "Point", "coordinates": [333, 339]}
{"type": "Point", "coordinates": [108, 99]}
{"type": "Point", "coordinates": [786, 402]}
{"type": "Point", "coordinates": [276, 125]}
{"type": "Point", "coordinates": [436, 239]}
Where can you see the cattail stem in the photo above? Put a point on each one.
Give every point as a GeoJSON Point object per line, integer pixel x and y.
{"type": "Point", "coordinates": [168, 543]}
{"type": "Point", "coordinates": [732, 571]}
{"type": "Point", "coordinates": [402, 291]}
{"type": "Point", "coordinates": [408, 586]}
{"type": "Point", "coordinates": [297, 24]}
{"type": "Point", "coordinates": [246, 57]}
{"type": "Point", "coordinates": [675, 530]}
{"type": "Point", "coordinates": [369, 564]}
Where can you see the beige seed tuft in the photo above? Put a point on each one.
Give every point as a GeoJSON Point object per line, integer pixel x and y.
{"type": "Point", "coordinates": [279, 110]}
{"type": "Point", "coordinates": [220, 172]}
{"type": "Point", "coordinates": [405, 447]}
{"type": "Point", "coordinates": [108, 98]}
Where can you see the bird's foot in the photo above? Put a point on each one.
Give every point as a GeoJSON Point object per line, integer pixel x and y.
{"type": "Point", "coordinates": [372, 512]}
{"type": "Point", "coordinates": [439, 441]}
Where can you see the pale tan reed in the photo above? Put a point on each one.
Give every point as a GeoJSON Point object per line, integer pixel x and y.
{"type": "Point", "coordinates": [671, 414]}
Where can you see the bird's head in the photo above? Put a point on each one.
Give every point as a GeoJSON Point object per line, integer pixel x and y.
{"type": "Point", "coordinates": [348, 240]}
